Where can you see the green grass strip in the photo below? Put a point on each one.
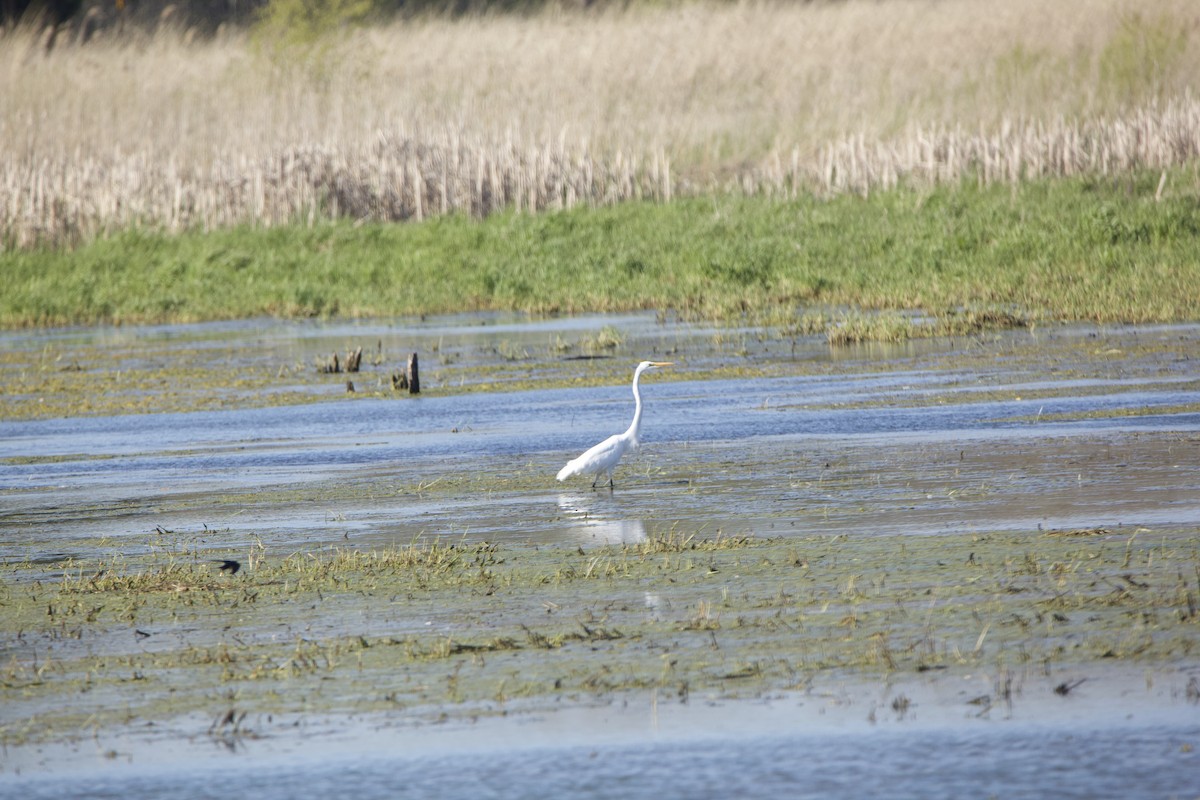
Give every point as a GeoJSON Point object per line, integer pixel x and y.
{"type": "Point", "coordinates": [1078, 249]}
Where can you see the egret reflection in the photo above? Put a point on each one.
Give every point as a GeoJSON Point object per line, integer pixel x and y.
{"type": "Point", "coordinates": [595, 518]}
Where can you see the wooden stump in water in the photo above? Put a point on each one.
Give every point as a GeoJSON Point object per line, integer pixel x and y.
{"type": "Point", "coordinates": [331, 366]}
{"type": "Point", "coordinates": [353, 360]}
{"type": "Point", "coordinates": [414, 381]}
{"type": "Point", "coordinates": [409, 379]}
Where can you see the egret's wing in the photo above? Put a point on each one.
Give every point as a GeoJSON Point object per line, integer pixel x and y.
{"type": "Point", "coordinates": [597, 458]}
{"type": "Point", "coordinates": [570, 469]}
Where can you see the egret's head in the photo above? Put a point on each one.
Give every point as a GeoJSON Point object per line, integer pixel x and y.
{"type": "Point", "coordinates": [645, 365]}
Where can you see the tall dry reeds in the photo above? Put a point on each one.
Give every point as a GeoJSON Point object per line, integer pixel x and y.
{"type": "Point", "coordinates": [396, 178]}
{"type": "Point", "coordinates": [1157, 137]}
{"type": "Point", "coordinates": [436, 116]}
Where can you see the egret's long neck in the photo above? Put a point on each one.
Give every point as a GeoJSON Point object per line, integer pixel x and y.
{"type": "Point", "coordinates": [634, 426]}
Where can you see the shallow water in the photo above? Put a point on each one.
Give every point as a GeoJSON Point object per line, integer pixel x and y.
{"type": "Point", "coordinates": [1068, 428]}
{"type": "Point", "coordinates": [790, 746]}
{"type": "Point", "coordinates": [1019, 763]}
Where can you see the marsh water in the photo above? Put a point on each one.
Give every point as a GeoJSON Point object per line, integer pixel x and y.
{"type": "Point", "coordinates": [752, 432]}
{"type": "Point", "coordinates": [1000, 760]}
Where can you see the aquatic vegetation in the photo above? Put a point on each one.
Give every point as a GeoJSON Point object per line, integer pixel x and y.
{"type": "Point", "coordinates": [459, 625]}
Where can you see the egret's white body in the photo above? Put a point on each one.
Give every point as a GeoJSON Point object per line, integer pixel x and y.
{"type": "Point", "coordinates": [604, 457]}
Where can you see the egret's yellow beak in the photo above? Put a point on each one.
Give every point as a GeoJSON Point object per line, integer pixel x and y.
{"type": "Point", "coordinates": [662, 363]}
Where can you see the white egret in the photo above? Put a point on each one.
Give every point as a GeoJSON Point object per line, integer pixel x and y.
{"type": "Point", "coordinates": [604, 457]}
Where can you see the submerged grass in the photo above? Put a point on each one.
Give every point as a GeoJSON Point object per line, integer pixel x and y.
{"type": "Point", "coordinates": [435, 627]}
{"type": "Point", "coordinates": [967, 257]}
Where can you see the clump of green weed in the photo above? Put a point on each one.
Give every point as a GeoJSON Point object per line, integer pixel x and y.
{"type": "Point", "coordinates": [676, 541]}
{"type": "Point", "coordinates": [607, 340]}
{"type": "Point", "coordinates": [857, 328]}
{"type": "Point", "coordinates": [421, 564]}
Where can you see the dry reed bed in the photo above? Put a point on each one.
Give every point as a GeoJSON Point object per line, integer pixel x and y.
{"type": "Point", "coordinates": [397, 179]}
{"type": "Point", "coordinates": [470, 116]}
{"type": "Point", "coordinates": [1149, 138]}
{"type": "Point", "coordinates": [401, 179]}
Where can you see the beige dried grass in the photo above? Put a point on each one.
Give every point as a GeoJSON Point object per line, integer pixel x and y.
{"type": "Point", "coordinates": [441, 116]}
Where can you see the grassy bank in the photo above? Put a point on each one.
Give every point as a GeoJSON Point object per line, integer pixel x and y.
{"type": "Point", "coordinates": [1077, 249]}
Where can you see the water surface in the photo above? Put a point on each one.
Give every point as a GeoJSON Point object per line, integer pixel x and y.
{"type": "Point", "coordinates": [1067, 428]}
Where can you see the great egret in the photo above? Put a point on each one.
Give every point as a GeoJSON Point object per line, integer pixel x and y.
{"type": "Point", "coordinates": [604, 457]}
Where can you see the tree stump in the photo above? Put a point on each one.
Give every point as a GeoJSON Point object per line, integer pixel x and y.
{"type": "Point", "coordinates": [414, 381]}
{"type": "Point", "coordinates": [409, 379]}
{"type": "Point", "coordinates": [332, 366]}
{"type": "Point", "coordinates": [353, 360]}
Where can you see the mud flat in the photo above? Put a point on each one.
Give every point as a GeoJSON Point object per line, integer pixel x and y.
{"type": "Point", "coordinates": [963, 536]}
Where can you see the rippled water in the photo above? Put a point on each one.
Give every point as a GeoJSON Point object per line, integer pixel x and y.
{"type": "Point", "coordinates": [738, 750]}
{"type": "Point", "coordinates": [904, 442]}
{"type": "Point", "coordinates": [897, 765]}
